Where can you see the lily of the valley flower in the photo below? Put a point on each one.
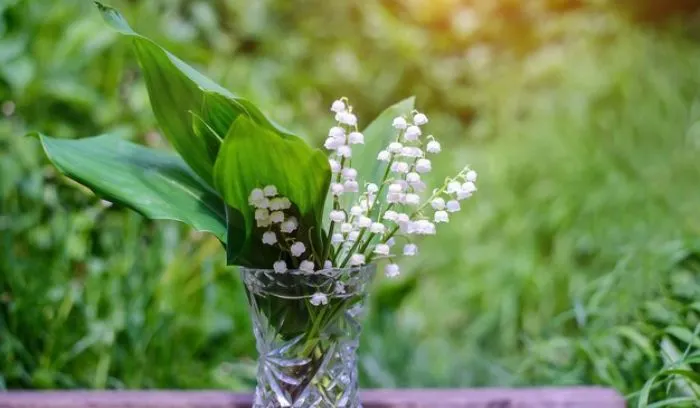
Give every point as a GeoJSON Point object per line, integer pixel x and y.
{"type": "Point", "coordinates": [297, 249]}
{"type": "Point", "coordinates": [280, 267]}
{"type": "Point", "coordinates": [318, 299]}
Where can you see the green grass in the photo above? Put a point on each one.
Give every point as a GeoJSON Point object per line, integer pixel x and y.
{"type": "Point", "coordinates": [578, 261]}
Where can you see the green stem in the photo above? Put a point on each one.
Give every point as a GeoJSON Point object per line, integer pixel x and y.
{"type": "Point", "coordinates": [353, 248]}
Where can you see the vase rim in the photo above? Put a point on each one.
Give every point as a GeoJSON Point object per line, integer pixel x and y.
{"type": "Point", "coordinates": [327, 272]}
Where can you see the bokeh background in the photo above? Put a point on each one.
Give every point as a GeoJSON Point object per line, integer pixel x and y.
{"type": "Point", "coordinates": [578, 262]}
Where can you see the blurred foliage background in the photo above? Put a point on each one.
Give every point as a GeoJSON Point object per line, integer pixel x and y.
{"type": "Point", "coordinates": [577, 263]}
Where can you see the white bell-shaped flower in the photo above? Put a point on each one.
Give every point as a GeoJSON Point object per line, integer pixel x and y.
{"type": "Point", "coordinates": [410, 249]}
{"type": "Point", "coordinates": [453, 206]}
{"type": "Point", "coordinates": [453, 187]}
{"type": "Point", "coordinates": [351, 186]}
{"type": "Point", "coordinates": [420, 119]}
{"type": "Point", "coordinates": [336, 132]}
{"type": "Point", "coordinates": [400, 167]}
{"type": "Point", "coordinates": [346, 118]}
{"type": "Point", "coordinates": [413, 178]}
{"type": "Point", "coordinates": [399, 123]}
{"type": "Point", "coordinates": [377, 228]}
{"type": "Point", "coordinates": [337, 238]}
{"type": "Point", "coordinates": [337, 216]}
{"type": "Point", "coordinates": [262, 214]}
{"type": "Point", "coordinates": [394, 198]}
{"type": "Point", "coordinates": [284, 203]}
{"type": "Point", "coordinates": [357, 259]}
{"type": "Point", "coordinates": [297, 249]}
{"type": "Point", "coordinates": [419, 187]}
{"type": "Point", "coordinates": [382, 249]}
{"type": "Point", "coordinates": [306, 266]}
{"type": "Point", "coordinates": [390, 215]}
{"type": "Point", "coordinates": [469, 187]}
{"type": "Point", "coordinates": [384, 156]}
{"type": "Point", "coordinates": [364, 222]}
{"type": "Point", "coordinates": [372, 188]}
{"type": "Point", "coordinates": [344, 151]}
{"type": "Point", "coordinates": [335, 166]}
{"type": "Point", "coordinates": [256, 195]}
{"type": "Point", "coordinates": [318, 299]}
{"type": "Point", "coordinates": [412, 133]}
{"type": "Point", "coordinates": [338, 106]}
{"type": "Point", "coordinates": [438, 203]}
{"type": "Point", "coordinates": [441, 216]}
{"type": "Point", "coordinates": [396, 188]}
{"type": "Point", "coordinates": [337, 189]}
{"type": "Point", "coordinates": [331, 143]}
{"type": "Point", "coordinates": [356, 138]}
{"type": "Point", "coordinates": [411, 151]}
{"type": "Point", "coordinates": [356, 211]}
{"type": "Point", "coordinates": [423, 166]}
{"type": "Point", "coordinates": [269, 238]}
{"type": "Point", "coordinates": [402, 218]}
{"type": "Point", "coordinates": [349, 173]}
{"type": "Point", "coordinates": [346, 228]}
{"type": "Point", "coordinates": [412, 199]}
{"type": "Point", "coordinates": [471, 176]}
{"type": "Point", "coordinates": [279, 266]}
{"type": "Point", "coordinates": [392, 270]}
{"type": "Point", "coordinates": [395, 147]}
{"type": "Point", "coordinates": [289, 225]}
{"type": "Point", "coordinates": [270, 191]}
{"type": "Point", "coordinates": [276, 217]}
{"type": "Point", "coordinates": [433, 147]}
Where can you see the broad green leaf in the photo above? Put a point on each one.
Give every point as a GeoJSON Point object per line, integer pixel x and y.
{"type": "Point", "coordinates": [252, 157]}
{"type": "Point", "coordinates": [175, 90]}
{"type": "Point", "coordinates": [378, 135]}
{"type": "Point", "coordinates": [157, 184]}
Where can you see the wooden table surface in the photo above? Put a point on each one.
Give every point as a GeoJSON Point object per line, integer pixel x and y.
{"type": "Point", "coordinates": [576, 397]}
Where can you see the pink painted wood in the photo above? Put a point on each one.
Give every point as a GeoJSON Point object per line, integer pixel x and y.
{"type": "Point", "coordinates": [577, 397]}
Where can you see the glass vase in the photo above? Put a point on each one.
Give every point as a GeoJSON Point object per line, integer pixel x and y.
{"type": "Point", "coordinates": [307, 328]}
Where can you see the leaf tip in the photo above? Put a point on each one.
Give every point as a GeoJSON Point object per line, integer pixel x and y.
{"type": "Point", "coordinates": [114, 18]}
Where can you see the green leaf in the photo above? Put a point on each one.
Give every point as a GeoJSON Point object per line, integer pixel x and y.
{"type": "Point", "coordinates": [176, 90]}
{"type": "Point", "coordinates": [378, 135]}
{"type": "Point", "coordinates": [639, 339]}
{"type": "Point", "coordinates": [684, 334]}
{"type": "Point", "coordinates": [157, 184]}
{"type": "Point", "coordinates": [252, 157]}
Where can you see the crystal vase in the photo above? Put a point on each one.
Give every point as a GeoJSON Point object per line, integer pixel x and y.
{"type": "Point", "coordinates": [307, 328]}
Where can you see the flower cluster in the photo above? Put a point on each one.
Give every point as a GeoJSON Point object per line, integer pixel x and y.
{"type": "Point", "coordinates": [278, 227]}
{"type": "Point", "coordinates": [366, 221]}
{"type": "Point", "coordinates": [395, 207]}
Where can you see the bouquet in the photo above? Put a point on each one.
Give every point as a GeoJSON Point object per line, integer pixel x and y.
{"type": "Point", "coordinates": [305, 228]}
